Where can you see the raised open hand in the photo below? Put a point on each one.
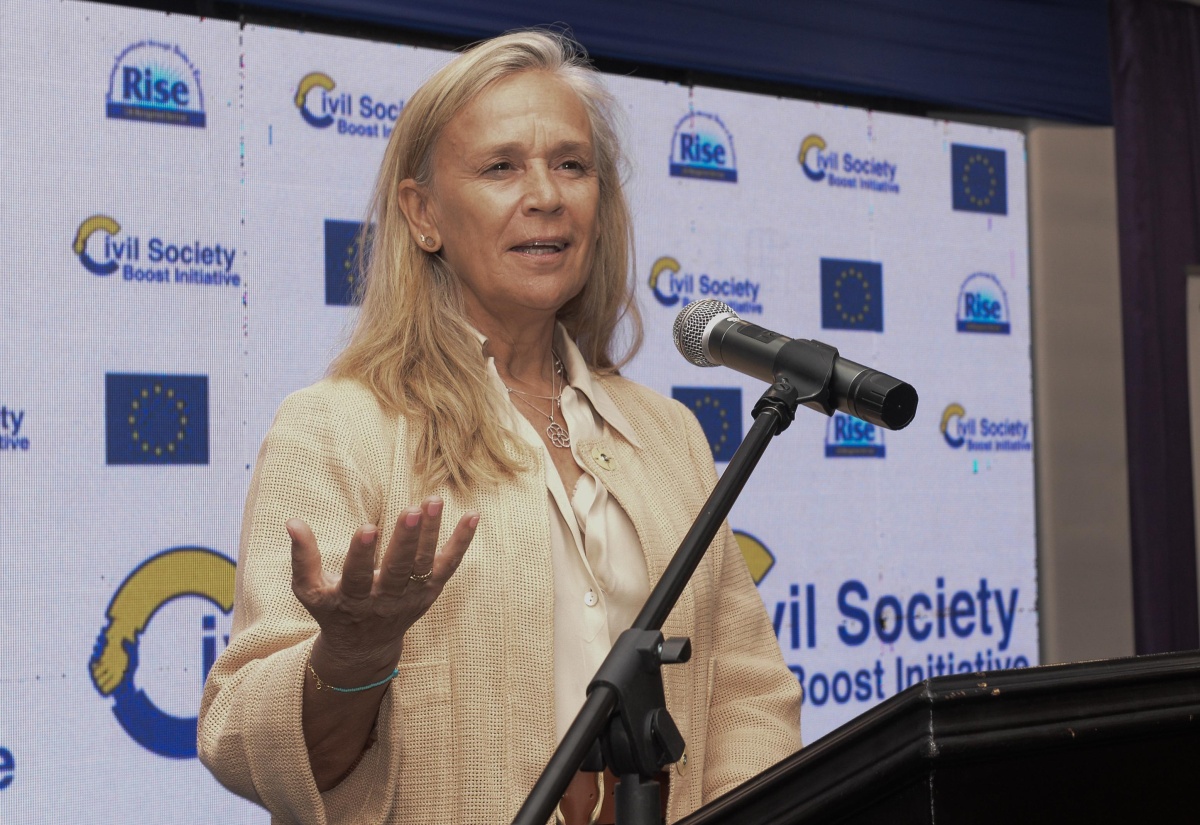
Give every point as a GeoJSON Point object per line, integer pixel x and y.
{"type": "Point", "coordinates": [364, 612]}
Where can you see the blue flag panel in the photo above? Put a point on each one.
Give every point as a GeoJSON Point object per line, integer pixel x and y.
{"type": "Point", "coordinates": [342, 262]}
{"type": "Point", "coordinates": [851, 295]}
{"type": "Point", "coordinates": [719, 410]}
{"type": "Point", "coordinates": [979, 179]}
{"type": "Point", "coordinates": [156, 419]}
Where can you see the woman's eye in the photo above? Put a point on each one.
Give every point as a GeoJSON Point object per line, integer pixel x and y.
{"type": "Point", "coordinates": [500, 166]}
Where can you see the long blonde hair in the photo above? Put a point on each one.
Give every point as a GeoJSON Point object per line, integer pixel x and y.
{"type": "Point", "coordinates": [412, 345]}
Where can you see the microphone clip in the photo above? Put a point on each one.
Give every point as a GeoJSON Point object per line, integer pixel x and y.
{"type": "Point", "coordinates": [808, 367]}
{"type": "Point", "coordinates": [783, 399]}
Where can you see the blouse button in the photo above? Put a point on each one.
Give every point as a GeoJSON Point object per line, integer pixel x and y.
{"type": "Point", "coordinates": [590, 599]}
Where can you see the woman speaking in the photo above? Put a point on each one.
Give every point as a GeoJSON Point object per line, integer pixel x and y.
{"type": "Point", "coordinates": [443, 539]}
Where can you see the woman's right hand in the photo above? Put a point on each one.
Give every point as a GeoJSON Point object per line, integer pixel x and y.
{"type": "Point", "coordinates": [364, 612]}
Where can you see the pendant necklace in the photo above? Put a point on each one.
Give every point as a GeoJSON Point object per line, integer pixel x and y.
{"type": "Point", "coordinates": [556, 432]}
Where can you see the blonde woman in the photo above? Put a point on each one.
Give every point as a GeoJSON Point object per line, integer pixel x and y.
{"type": "Point", "coordinates": [443, 539]}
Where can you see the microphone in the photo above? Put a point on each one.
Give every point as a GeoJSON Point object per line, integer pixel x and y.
{"type": "Point", "coordinates": [709, 333]}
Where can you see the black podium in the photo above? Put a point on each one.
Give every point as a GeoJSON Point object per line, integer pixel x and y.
{"type": "Point", "coordinates": [1095, 742]}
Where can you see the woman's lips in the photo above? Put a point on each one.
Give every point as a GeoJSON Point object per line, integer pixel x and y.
{"type": "Point", "coordinates": [541, 247]}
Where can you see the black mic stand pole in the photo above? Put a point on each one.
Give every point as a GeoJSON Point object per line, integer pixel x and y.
{"type": "Point", "coordinates": [625, 710]}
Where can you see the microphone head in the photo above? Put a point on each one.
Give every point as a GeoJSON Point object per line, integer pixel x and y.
{"type": "Point", "coordinates": [690, 324]}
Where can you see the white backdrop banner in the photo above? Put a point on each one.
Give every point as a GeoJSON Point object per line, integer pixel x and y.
{"type": "Point", "coordinates": [182, 200]}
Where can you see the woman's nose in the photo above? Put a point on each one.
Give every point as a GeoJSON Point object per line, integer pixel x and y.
{"type": "Point", "coordinates": [542, 190]}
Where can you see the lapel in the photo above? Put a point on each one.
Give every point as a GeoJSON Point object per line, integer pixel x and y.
{"type": "Point", "coordinates": [629, 478]}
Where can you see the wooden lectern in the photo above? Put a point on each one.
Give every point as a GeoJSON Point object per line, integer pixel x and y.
{"type": "Point", "coordinates": [1115, 741]}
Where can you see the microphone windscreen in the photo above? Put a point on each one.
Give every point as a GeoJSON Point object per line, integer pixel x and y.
{"type": "Point", "coordinates": [689, 328]}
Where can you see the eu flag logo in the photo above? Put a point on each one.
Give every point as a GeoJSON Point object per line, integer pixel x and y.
{"type": "Point", "coordinates": [342, 274]}
{"type": "Point", "coordinates": [851, 295]}
{"type": "Point", "coordinates": [156, 419]}
{"type": "Point", "coordinates": [719, 410]}
{"type": "Point", "coordinates": [980, 182]}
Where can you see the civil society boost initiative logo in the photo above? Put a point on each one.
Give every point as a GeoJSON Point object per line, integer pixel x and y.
{"type": "Point", "coordinates": [671, 284]}
{"type": "Point", "coordinates": [846, 170]}
{"type": "Point", "coordinates": [104, 248]}
{"type": "Point", "coordinates": [155, 83]}
{"type": "Point", "coordinates": [184, 588]}
{"type": "Point", "coordinates": [14, 436]}
{"type": "Point", "coordinates": [8, 767]}
{"type": "Point", "coordinates": [323, 105]}
{"type": "Point", "coordinates": [989, 434]}
{"type": "Point", "coordinates": [702, 147]}
{"type": "Point", "coordinates": [156, 419]}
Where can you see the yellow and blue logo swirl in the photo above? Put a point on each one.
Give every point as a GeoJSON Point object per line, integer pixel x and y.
{"type": "Point", "coordinates": [809, 144]}
{"type": "Point", "coordinates": [90, 226]}
{"type": "Point", "coordinates": [169, 575]}
{"type": "Point", "coordinates": [314, 80]}
{"type": "Point", "coordinates": [758, 558]}
{"type": "Point", "coordinates": [950, 417]}
{"type": "Point", "coordinates": [664, 268]}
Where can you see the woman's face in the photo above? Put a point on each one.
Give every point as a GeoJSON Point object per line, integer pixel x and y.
{"type": "Point", "coordinates": [514, 198]}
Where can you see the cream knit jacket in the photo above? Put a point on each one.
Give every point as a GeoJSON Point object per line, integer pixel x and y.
{"type": "Point", "coordinates": [468, 725]}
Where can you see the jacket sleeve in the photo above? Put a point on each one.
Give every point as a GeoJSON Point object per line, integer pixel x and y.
{"type": "Point", "coordinates": [325, 460]}
{"type": "Point", "coordinates": [754, 708]}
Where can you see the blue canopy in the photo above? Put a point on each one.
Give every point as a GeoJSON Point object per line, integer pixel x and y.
{"type": "Point", "coordinates": [1037, 58]}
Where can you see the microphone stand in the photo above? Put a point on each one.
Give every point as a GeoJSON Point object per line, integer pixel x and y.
{"type": "Point", "coordinates": [624, 721]}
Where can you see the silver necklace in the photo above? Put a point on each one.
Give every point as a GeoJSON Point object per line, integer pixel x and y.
{"type": "Point", "coordinates": [556, 432]}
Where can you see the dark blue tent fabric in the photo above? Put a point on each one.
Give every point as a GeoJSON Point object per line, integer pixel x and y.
{"type": "Point", "coordinates": [1156, 80]}
{"type": "Point", "coordinates": [1039, 58]}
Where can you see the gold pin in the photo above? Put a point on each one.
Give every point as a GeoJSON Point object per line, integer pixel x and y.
{"type": "Point", "coordinates": [603, 458]}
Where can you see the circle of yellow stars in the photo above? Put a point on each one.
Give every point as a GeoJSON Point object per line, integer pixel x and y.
{"type": "Point", "coordinates": [982, 160]}
{"type": "Point", "coordinates": [350, 264]}
{"type": "Point", "coordinates": [865, 309]}
{"type": "Point", "coordinates": [142, 402]}
{"type": "Point", "coordinates": [709, 401]}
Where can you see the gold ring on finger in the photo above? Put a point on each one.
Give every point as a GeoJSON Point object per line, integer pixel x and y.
{"type": "Point", "coordinates": [422, 577]}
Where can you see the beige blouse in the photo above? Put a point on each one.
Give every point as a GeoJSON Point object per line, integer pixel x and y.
{"type": "Point", "coordinates": [600, 578]}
